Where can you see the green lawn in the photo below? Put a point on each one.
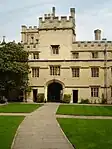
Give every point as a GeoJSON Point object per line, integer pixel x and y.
{"type": "Point", "coordinates": [19, 108]}
{"type": "Point", "coordinates": [85, 110]}
{"type": "Point", "coordinates": [8, 127]}
{"type": "Point", "coordinates": [88, 134]}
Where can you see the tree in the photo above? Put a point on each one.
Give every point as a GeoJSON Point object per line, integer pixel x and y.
{"type": "Point", "coordinates": [13, 68]}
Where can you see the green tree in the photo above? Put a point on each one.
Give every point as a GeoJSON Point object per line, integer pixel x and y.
{"type": "Point", "coordinates": [13, 68]}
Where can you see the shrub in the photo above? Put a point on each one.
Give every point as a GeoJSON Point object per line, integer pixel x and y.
{"type": "Point", "coordinates": [66, 98]}
{"type": "Point", "coordinates": [84, 101]}
{"type": "Point", "coordinates": [3, 100]}
{"type": "Point", "coordinates": [40, 97]}
{"type": "Point", "coordinates": [95, 101]}
{"type": "Point", "coordinates": [103, 101]}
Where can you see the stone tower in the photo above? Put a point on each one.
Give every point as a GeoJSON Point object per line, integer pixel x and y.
{"type": "Point", "coordinates": [57, 60]}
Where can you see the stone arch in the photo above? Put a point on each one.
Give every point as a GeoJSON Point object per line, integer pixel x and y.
{"type": "Point", "coordinates": [57, 81]}
{"type": "Point", "coordinates": [54, 90]}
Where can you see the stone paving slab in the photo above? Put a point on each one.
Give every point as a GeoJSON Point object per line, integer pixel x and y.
{"type": "Point", "coordinates": [40, 130]}
{"type": "Point", "coordinates": [84, 117]}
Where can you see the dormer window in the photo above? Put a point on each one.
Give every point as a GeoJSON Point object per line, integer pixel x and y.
{"type": "Point", "coordinates": [55, 49]}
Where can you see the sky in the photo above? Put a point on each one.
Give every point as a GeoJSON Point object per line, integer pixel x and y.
{"type": "Point", "coordinates": [90, 15]}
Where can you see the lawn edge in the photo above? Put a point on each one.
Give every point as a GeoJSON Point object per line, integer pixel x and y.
{"type": "Point", "coordinates": [14, 138]}
{"type": "Point", "coordinates": [24, 112]}
{"type": "Point", "coordinates": [83, 115]}
{"type": "Point", "coordinates": [71, 145]}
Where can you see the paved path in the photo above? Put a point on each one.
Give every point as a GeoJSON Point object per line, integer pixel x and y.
{"type": "Point", "coordinates": [2, 104]}
{"type": "Point", "coordinates": [84, 117]}
{"type": "Point", "coordinates": [14, 114]}
{"type": "Point", "coordinates": [100, 105]}
{"type": "Point", "coordinates": [40, 130]}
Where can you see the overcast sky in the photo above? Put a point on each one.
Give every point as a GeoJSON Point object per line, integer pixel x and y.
{"type": "Point", "coordinates": [90, 15]}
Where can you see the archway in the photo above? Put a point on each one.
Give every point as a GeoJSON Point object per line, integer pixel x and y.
{"type": "Point", "coordinates": [54, 92]}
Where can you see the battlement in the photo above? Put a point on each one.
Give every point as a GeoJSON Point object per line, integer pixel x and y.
{"type": "Point", "coordinates": [50, 21]}
{"type": "Point", "coordinates": [93, 44]}
{"type": "Point", "coordinates": [29, 29]}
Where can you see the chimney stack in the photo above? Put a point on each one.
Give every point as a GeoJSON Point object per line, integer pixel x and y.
{"type": "Point", "coordinates": [53, 11]}
{"type": "Point", "coordinates": [72, 11]}
{"type": "Point", "coordinates": [97, 33]}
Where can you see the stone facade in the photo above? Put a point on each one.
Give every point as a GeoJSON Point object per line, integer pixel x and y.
{"type": "Point", "coordinates": [82, 68]}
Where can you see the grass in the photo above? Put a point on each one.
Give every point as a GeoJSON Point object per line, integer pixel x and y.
{"type": "Point", "coordinates": [18, 108]}
{"type": "Point", "coordinates": [84, 110]}
{"type": "Point", "coordinates": [8, 127]}
{"type": "Point", "coordinates": [88, 134]}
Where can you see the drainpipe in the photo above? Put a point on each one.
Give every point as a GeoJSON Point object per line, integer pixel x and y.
{"type": "Point", "coordinates": [105, 73]}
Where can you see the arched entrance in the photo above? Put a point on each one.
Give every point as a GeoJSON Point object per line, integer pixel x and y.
{"type": "Point", "coordinates": [54, 92]}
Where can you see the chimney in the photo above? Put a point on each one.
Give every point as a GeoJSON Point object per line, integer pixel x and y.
{"type": "Point", "coordinates": [97, 33]}
{"type": "Point", "coordinates": [3, 42]}
{"type": "Point", "coordinates": [53, 11]}
{"type": "Point", "coordinates": [72, 11]}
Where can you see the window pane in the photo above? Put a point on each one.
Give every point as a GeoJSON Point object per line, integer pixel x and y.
{"type": "Point", "coordinates": [75, 72]}
{"type": "Point", "coordinates": [55, 49]}
{"type": "Point", "coordinates": [94, 54]}
{"type": "Point", "coordinates": [75, 55]}
{"type": "Point", "coordinates": [35, 55]}
{"type": "Point", "coordinates": [35, 72]}
{"type": "Point", "coordinates": [95, 92]}
{"type": "Point", "coordinates": [54, 70]}
{"type": "Point", "coordinates": [94, 72]}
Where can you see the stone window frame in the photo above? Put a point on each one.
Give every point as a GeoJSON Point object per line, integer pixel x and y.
{"type": "Point", "coordinates": [94, 54]}
{"type": "Point", "coordinates": [75, 55]}
{"type": "Point", "coordinates": [95, 91]}
{"type": "Point", "coordinates": [55, 70]}
{"type": "Point", "coordinates": [35, 55]}
{"type": "Point", "coordinates": [35, 72]}
{"type": "Point", "coordinates": [37, 41]}
{"type": "Point", "coordinates": [32, 39]}
{"type": "Point", "coordinates": [75, 72]}
{"type": "Point", "coordinates": [55, 49]}
{"type": "Point", "coordinates": [95, 72]}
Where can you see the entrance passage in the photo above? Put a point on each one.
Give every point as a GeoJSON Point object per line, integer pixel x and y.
{"type": "Point", "coordinates": [75, 96]}
{"type": "Point", "coordinates": [54, 92]}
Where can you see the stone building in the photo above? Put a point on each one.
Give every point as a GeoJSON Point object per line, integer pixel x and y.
{"type": "Point", "coordinates": [61, 65]}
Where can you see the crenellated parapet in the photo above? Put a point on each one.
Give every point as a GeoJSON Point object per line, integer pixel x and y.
{"type": "Point", "coordinates": [26, 29]}
{"type": "Point", "coordinates": [29, 34]}
{"type": "Point", "coordinates": [92, 44]}
{"type": "Point", "coordinates": [50, 21]}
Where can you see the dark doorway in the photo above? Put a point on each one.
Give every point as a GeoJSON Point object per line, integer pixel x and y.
{"type": "Point", "coordinates": [54, 92]}
{"type": "Point", "coordinates": [75, 96]}
{"type": "Point", "coordinates": [35, 95]}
